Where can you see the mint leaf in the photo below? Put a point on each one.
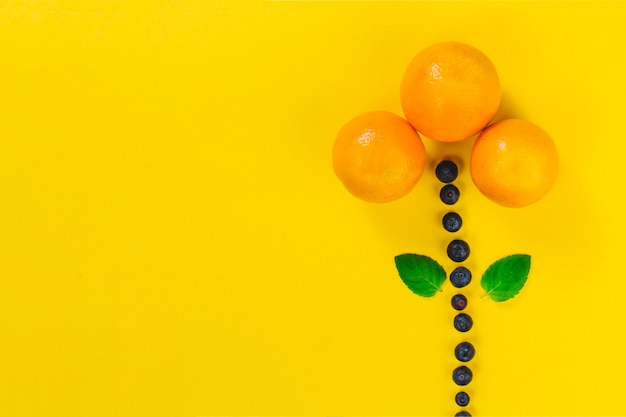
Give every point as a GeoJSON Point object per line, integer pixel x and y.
{"type": "Point", "coordinates": [506, 277]}
{"type": "Point", "coordinates": [423, 275]}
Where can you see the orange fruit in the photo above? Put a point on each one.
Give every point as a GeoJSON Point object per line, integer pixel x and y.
{"type": "Point", "coordinates": [378, 156]}
{"type": "Point", "coordinates": [514, 163]}
{"type": "Point", "coordinates": [450, 91]}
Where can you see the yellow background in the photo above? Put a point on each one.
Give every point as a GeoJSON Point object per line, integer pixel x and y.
{"type": "Point", "coordinates": [173, 241]}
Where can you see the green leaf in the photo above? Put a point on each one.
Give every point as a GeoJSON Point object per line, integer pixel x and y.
{"type": "Point", "coordinates": [506, 277]}
{"type": "Point", "coordinates": [423, 275]}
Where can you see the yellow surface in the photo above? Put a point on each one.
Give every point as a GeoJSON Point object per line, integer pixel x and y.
{"type": "Point", "coordinates": [173, 241]}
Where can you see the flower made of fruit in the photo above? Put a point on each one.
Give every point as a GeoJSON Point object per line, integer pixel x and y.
{"type": "Point", "coordinates": [450, 92]}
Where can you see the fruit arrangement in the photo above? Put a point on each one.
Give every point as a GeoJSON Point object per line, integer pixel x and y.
{"type": "Point", "coordinates": [450, 92]}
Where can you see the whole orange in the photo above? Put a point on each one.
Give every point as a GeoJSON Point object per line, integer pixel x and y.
{"type": "Point", "coordinates": [450, 91]}
{"type": "Point", "coordinates": [514, 163]}
{"type": "Point", "coordinates": [378, 156]}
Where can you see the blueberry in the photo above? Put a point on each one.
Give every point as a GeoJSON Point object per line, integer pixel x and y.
{"type": "Point", "coordinates": [460, 277]}
{"type": "Point", "coordinates": [459, 302]}
{"type": "Point", "coordinates": [463, 322]}
{"type": "Point", "coordinates": [462, 398]}
{"type": "Point", "coordinates": [452, 222]}
{"type": "Point", "coordinates": [446, 171]}
{"type": "Point", "coordinates": [458, 250]}
{"type": "Point", "coordinates": [464, 351]}
{"type": "Point", "coordinates": [463, 414]}
{"type": "Point", "coordinates": [449, 194]}
{"type": "Point", "coordinates": [462, 375]}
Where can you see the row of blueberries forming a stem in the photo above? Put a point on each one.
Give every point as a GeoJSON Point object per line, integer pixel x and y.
{"type": "Point", "coordinates": [458, 251]}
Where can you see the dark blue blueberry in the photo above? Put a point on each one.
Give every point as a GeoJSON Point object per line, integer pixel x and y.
{"type": "Point", "coordinates": [463, 322]}
{"type": "Point", "coordinates": [458, 250]}
{"type": "Point", "coordinates": [449, 194]}
{"type": "Point", "coordinates": [460, 277]}
{"type": "Point", "coordinates": [463, 414]}
{"type": "Point", "coordinates": [464, 351]}
{"type": "Point", "coordinates": [446, 171]}
{"type": "Point", "coordinates": [462, 375]}
{"type": "Point", "coordinates": [459, 302]}
{"type": "Point", "coordinates": [452, 222]}
{"type": "Point", "coordinates": [462, 398]}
